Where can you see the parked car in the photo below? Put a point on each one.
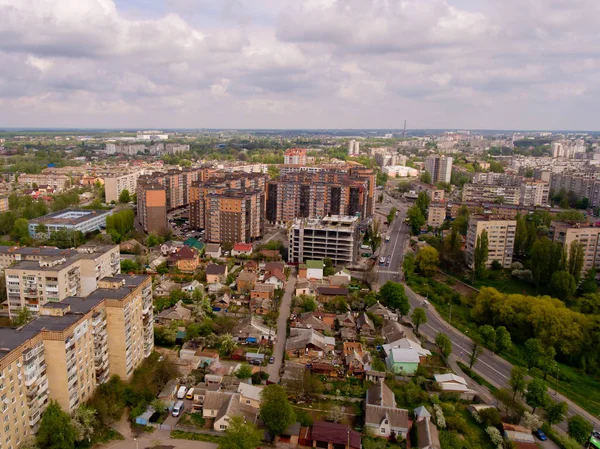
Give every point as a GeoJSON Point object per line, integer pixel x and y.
{"type": "Point", "coordinates": [177, 409]}
{"type": "Point", "coordinates": [271, 360]}
{"type": "Point", "coordinates": [181, 392]}
{"type": "Point", "coordinates": [540, 435]}
{"type": "Point", "coordinates": [255, 362]}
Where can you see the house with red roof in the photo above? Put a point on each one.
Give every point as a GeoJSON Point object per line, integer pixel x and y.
{"type": "Point", "coordinates": [241, 249]}
{"type": "Point", "coordinates": [186, 259]}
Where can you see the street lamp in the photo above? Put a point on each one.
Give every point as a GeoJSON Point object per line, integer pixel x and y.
{"type": "Point", "coordinates": [556, 384]}
{"type": "Point", "coordinates": [450, 315]}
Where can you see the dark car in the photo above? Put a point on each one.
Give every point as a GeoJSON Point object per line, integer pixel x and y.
{"type": "Point", "coordinates": [255, 362]}
{"type": "Point", "coordinates": [271, 360]}
{"type": "Point", "coordinates": [540, 435]}
{"type": "Point", "coordinates": [388, 261]}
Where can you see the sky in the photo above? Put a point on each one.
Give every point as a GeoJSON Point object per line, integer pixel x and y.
{"type": "Point", "coordinates": [487, 64]}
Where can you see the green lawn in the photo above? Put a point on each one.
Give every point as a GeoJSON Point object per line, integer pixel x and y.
{"type": "Point", "coordinates": [505, 283]}
{"type": "Point", "coordinates": [181, 435]}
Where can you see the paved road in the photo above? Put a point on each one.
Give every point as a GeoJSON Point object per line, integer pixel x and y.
{"type": "Point", "coordinates": [284, 314]}
{"type": "Point", "coordinates": [491, 367]}
{"type": "Point", "coordinates": [161, 437]}
{"type": "Point", "coordinates": [398, 233]}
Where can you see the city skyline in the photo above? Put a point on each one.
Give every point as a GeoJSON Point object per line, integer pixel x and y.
{"type": "Point", "coordinates": [319, 64]}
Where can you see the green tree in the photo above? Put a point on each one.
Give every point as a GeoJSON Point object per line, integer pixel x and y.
{"type": "Point", "coordinates": [536, 395]}
{"type": "Point", "coordinates": [227, 344]}
{"type": "Point", "coordinates": [240, 435]}
{"type": "Point", "coordinates": [275, 409]}
{"type": "Point", "coordinates": [152, 240]}
{"type": "Point", "coordinates": [563, 285]}
{"type": "Point", "coordinates": [575, 266]}
{"type": "Point", "coordinates": [571, 215]}
{"type": "Point", "coordinates": [244, 371]}
{"type": "Point", "coordinates": [375, 235]}
{"type": "Point", "coordinates": [307, 303]}
{"type": "Point", "coordinates": [392, 215]}
{"type": "Point", "coordinates": [124, 196]}
{"type": "Point", "coordinates": [423, 202]}
{"type": "Point", "coordinates": [579, 428]}
{"type": "Point", "coordinates": [480, 255]}
{"type": "Point", "coordinates": [503, 339]}
{"type": "Point", "coordinates": [415, 219]}
{"type": "Point", "coordinates": [461, 222]}
{"type": "Point", "coordinates": [408, 266]}
{"type": "Point", "coordinates": [546, 259]}
{"type": "Point", "coordinates": [20, 230]}
{"type": "Point", "coordinates": [23, 317]}
{"type": "Point", "coordinates": [488, 335]}
{"type": "Point", "coordinates": [517, 381]}
{"type": "Point", "coordinates": [56, 429]}
{"type": "Point", "coordinates": [534, 350]}
{"type": "Point", "coordinates": [476, 351]}
{"type": "Point", "coordinates": [428, 260]}
{"type": "Point", "coordinates": [426, 177]}
{"type": "Point", "coordinates": [546, 361]}
{"type": "Point", "coordinates": [83, 419]}
{"type": "Point", "coordinates": [444, 344]}
{"type": "Point", "coordinates": [392, 295]}
{"type": "Point", "coordinates": [418, 317]}
{"type": "Point", "coordinates": [555, 411]}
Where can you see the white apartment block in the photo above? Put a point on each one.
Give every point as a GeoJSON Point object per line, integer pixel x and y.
{"type": "Point", "coordinates": [59, 182]}
{"type": "Point", "coordinates": [501, 239]}
{"type": "Point", "coordinates": [114, 185]}
{"type": "Point", "coordinates": [534, 193]}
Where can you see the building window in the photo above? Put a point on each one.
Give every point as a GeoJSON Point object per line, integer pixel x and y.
{"type": "Point", "coordinates": [382, 430]}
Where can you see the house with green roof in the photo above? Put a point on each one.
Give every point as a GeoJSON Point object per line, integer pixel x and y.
{"type": "Point", "coordinates": [193, 243]}
{"type": "Point", "coordinates": [314, 269]}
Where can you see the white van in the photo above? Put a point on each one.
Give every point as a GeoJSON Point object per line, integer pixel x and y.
{"type": "Point", "coordinates": [177, 409]}
{"type": "Point", "coordinates": [181, 392]}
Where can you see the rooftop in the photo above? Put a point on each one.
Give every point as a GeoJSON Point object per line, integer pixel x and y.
{"type": "Point", "coordinates": [315, 264]}
{"type": "Point", "coordinates": [70, 216]}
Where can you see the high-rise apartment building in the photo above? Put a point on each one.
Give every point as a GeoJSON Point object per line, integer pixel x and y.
{"type": "Point", "coordinates": [38, 280]}
{"type": "Point", "coordinates": [115, 184]}
{"type": "Point", "coordinates": [439, 167]}
{"type": "Point", "coordinates": [501, 239]}
{"type": "Point", "coordinates": [295, 156]}
{"type": "Point", "coordinates": [71, 348]}
{"type": "Point", "coordinates": [490, 193]}
{"type": "Point", "coordinates": [353, 148]}
{"type": "Point", "coordinates": [589, 237]}
{"type": "Point", "coordinates": [307, 194]}
{"type": "Point", "coordinates": [534, 193]}
{"type": "Point", "coordinates": [336, 237]}
{"type": "Point", "coordinates": [152, 205]}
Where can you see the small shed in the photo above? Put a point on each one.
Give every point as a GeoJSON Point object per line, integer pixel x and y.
{"type": "Point", "coordinates": [144, 418]}
{"type": "Point", "coordinates": [250, 356]}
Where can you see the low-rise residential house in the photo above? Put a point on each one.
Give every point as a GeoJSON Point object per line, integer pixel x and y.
{"type": "Point", "coordinates": [231, 408]}
{"type": "Point", "coordinates": [308, 343]}
{"type": "Point", "coordinates": [381, 414]}
{"type": "Point", "coordinates": [189, 287]}
{"type": "Point", "coordinates": [168, 248]}
{"type": "Point", "coordinates": [176, 313]}
{"type": "Point", "coordinates": [222, 302]}
{"type": "Point", "coordinates": [272, 266]}
{"type": "Point", "coordinates": [304, 287]}
{"type": "Point", "coordinates": [392, 331]}
{"type": "Point", "coordinates": [403, 361]}
{"type": "Point", "coordinates": [262, 291]}
{"type": "Point", "coordinates": [261, 306]}
{"type": "Point", "coordinates": [451, 383]}
{"type": "Point", "coordinates": [346, 320]}
{"type": "Point", "coordinates": [365, 325]}
{"type": "Point", "coordinates": [246, 281]}
{"type": "Point", "coordinates": [215, 288]}
{"type": "Point", "coordinates": [212, 250]}
{"type": "Point", "coordinates": [216, 273]}
{"type": "Point", "coordinates": [327, 368]}
{"type": "Point", "coordinates": [213, 400]}
{"type": "Point", "coordinates": [348, 334]}
{"type": "Point", "coordinates": [253, 330]}
{"type": "Point", "coordinates": [312, 269]}
{"type": "Point", "coordinates": [275, 277]}
{"type": "Point", "coordinates": [427, 432]}
{"type": "Point", "coordinates": [242, 249]}
{"type": "Point", "coordinates": [319, 321]}
{"type": "Point", "coordinates": [379, 309]}
{"type": "Point", "coordinates": [290, 435]}
{"type": "Point", "coordinates": [186, 259]}
{"type": "Point", "coordinates": [327, 293]}
{"type": "Point", "coordinates": [357, 360]}
{"type": "Point", "coordinates": [250, 394]}
{"type": "Point", "coordinates": [329, 435]}
{"type": "Point", "coordinates": [251, 266]}
{"type": "Point", "coordinates": [344, 273]}
{"type": "Point", "coordinates": [520, 437]}
{"type": "Point", "coordinates": [408, 344]}
{"type": "Point", "coordinates": [375, 376]}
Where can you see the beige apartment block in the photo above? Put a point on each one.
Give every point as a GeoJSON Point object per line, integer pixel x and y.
{"type": "Point", "coordinates": [114, 185]}
{"type": "Point", "coordinates": [436, 214]}
{"type": "Point", "coordinates": [501, 239]}
{"type": "Point", "coordinates": [567, 233]}
{"type": "Point", "coordinates": [59, 182]}
{"type": "Point", "coordinates": [69, 349]}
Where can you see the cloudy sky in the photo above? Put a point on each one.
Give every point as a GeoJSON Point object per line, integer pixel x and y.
{"type": "Point", "coordinates": [499, 64]}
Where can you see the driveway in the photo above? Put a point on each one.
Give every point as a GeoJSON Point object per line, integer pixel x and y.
{"type": "Point", "coordinates": [284, 314]}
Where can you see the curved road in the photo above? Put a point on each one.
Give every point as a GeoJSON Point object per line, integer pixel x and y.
{"type": "Point", "coordinates": [490, 366]}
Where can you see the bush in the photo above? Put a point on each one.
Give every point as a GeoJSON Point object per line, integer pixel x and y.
{"type": "Point", "coordinates": [496, 265]}
{"type": "Point", "coordinates": [563, 442]}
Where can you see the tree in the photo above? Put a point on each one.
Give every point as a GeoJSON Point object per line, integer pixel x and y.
{"type": "Point", "coordinates": [533, 351]}
{"type": "Point", "coordinates": [275, 409]}
{"type": "Point", "coordinates": [56, 429]}
{"type": "Point", "coordinates": [476, 351]}
{"type": "Point", "coordinates": [391, 215]}
{"type": "Point", "coordinates": [418, 317]}
{"type": "Point", "coordinates": [23, 317]}
{"type": "Point", "coordinates": [244, 371]}
{"type": "Point", "coordinates": [576, 253]}
{"type": "Point", "coordinates": [20, 230]}
{"type": "Point", "coordinates": [423, 202]}
{"type": "Point", "coordinates": [375, 235]}
{"type": "Point", "coordinates": [461, 222]}
{"type": "Point", "coordinates": [531, 421]}
{"type": "Point", "coordinates": [307, 303]}
{"type": "Point", "coordinates": [503, 339]}
{"type": "Point", "coordinates": [536, 395]}
{"type": "Point", "coordinates": [546, 361]}
{"type": "Point", "coordinates": [517, 381]}
{"type": "Point", "coordinates": [563, 285]}
{"type": "Point", "coordinates": [227, 344]}
{"type": "Point", "coordinates": [426, 177]}
{"type": "Point", "coordinates": [555, 411]}
{"type": "Point", "coordinates": [428, 260]}
{"type": "Point", "coordinates": [488, 334]}
{"type": "Point", "coordinates": [408, 265]}
{"type": "Point", "coordinates": [480, 255]}
{"type": "Point", "coordinates": [546, 258]}
{"type": "Point", "coordinates": [240, 435]}
{"type": "Point", "coordinates": [392, 295]}
{"type": "Point", "coordinates": [444, 344]}
{"type": "Point", "coordinates": [415, 219]}
{"type": "Point", "coordinates": [152, 240]}
{"type": "Point", "coordinates": [124, 196]}
{"type": "Point", "coordinates": [83, 419]}
{"type": "Point", "coordinates": [335, 413]}
{"type": "Point", "coordinates": [579, 428]}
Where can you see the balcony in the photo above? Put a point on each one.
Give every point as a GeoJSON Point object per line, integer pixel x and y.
{"type": "Point", "coordinates": [97, 319]}
{"type": "Point", "coordinates": [34, 419]}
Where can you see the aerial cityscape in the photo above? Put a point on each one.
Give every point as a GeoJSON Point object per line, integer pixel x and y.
{"type": "Point", "coordinates": [324, 224]}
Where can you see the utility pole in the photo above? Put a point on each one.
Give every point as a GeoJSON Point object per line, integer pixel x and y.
{"type": "Point", "coordinates": [404, 134]}
{"type": "Point", "coordinates": [450, 314]}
